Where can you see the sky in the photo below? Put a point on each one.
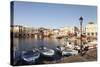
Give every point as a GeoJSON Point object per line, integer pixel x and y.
{"type": "Point", "coordinates": [52, 15]}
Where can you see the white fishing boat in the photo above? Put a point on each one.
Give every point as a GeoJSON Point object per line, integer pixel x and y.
{"type": "Point", "coordinates": [77, 47]}
{"type": "Point", "coordinates": [47, 52]}
{"type": "Point", "coordinates": [68, 52]}
{"type": "Point", "coordinates": [92, 44]}
{"type": "Point", "coordinates": [30, 56]}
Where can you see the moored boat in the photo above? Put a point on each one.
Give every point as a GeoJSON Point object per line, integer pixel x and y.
{"type": "Point", "coordinates": [58, 37]}
{"type": "Point", "coordinates": [30, 56]}
{"type": "Point", "coordinates": [47, 52]}
{"type": "Point", "coordinates": [68, 52]}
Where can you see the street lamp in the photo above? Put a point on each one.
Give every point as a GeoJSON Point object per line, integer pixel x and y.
{"type": "Point", "coordinates": [81, 21]}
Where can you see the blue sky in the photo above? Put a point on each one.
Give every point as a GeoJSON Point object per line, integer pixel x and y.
{"type": "Point", "coordinates": [52, 15]}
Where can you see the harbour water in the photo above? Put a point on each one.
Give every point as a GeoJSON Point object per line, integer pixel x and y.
{"type": "Point", "coordinates": [31, 43]}
{"type": "Point", "coordinates": [28, 44]}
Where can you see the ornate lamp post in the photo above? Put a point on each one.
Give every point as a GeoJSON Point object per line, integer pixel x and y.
{"type": "Point", "coordinates": [81, 45]}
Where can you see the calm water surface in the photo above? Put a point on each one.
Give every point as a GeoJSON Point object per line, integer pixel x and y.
{"type": "Point", "coordinates": [27, 44]}
{"type": "Point", "coordinates": [31, 43]}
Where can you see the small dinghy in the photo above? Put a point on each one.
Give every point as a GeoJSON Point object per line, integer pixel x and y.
{"type": "Point", "coordinates": [68, 52]}
{"type": "Point", "coordinates": [30, 56]}
{"type": "Point", "coordinates": [47, 52]}
{"type": "Point", "coordinates": [58, 50]}
{"type": "Point", "coordinates": [59, 37]}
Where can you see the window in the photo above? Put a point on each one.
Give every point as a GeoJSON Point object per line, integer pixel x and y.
{"type": "Point", "coordinates": [92, 33]}
{"type": "Point", "coordinates": [88, 33]}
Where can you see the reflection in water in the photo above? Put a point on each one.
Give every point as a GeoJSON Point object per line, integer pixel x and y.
{"type": "Point", "coordinates": [30, 43]}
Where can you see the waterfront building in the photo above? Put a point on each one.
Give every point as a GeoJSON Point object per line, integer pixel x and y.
{"type": "Point", "coordinates": [22, 31]}
{"type": "Point", "coordinates": [91, 30]}
{"type": "Point", "coordinates": [46, 32]}
{"type": "Point", "coordinates": [16, 28]}
{"type": "Point", "coordinates": [68, 30]}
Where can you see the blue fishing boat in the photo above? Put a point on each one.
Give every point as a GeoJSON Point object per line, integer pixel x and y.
{"type": "Point", "coordinates": [30, 56]}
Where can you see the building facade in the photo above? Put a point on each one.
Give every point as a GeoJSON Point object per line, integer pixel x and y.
{"type": "Point", "coordinates": [68, 30]}
{"type": "Point", "coordinates": [91, 30]}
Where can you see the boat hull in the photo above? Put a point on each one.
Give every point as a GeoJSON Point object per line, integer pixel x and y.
{"type": "Point", "coordinates": [47, 52]}
{"type": "Point", "coordinates": [30, 56]}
